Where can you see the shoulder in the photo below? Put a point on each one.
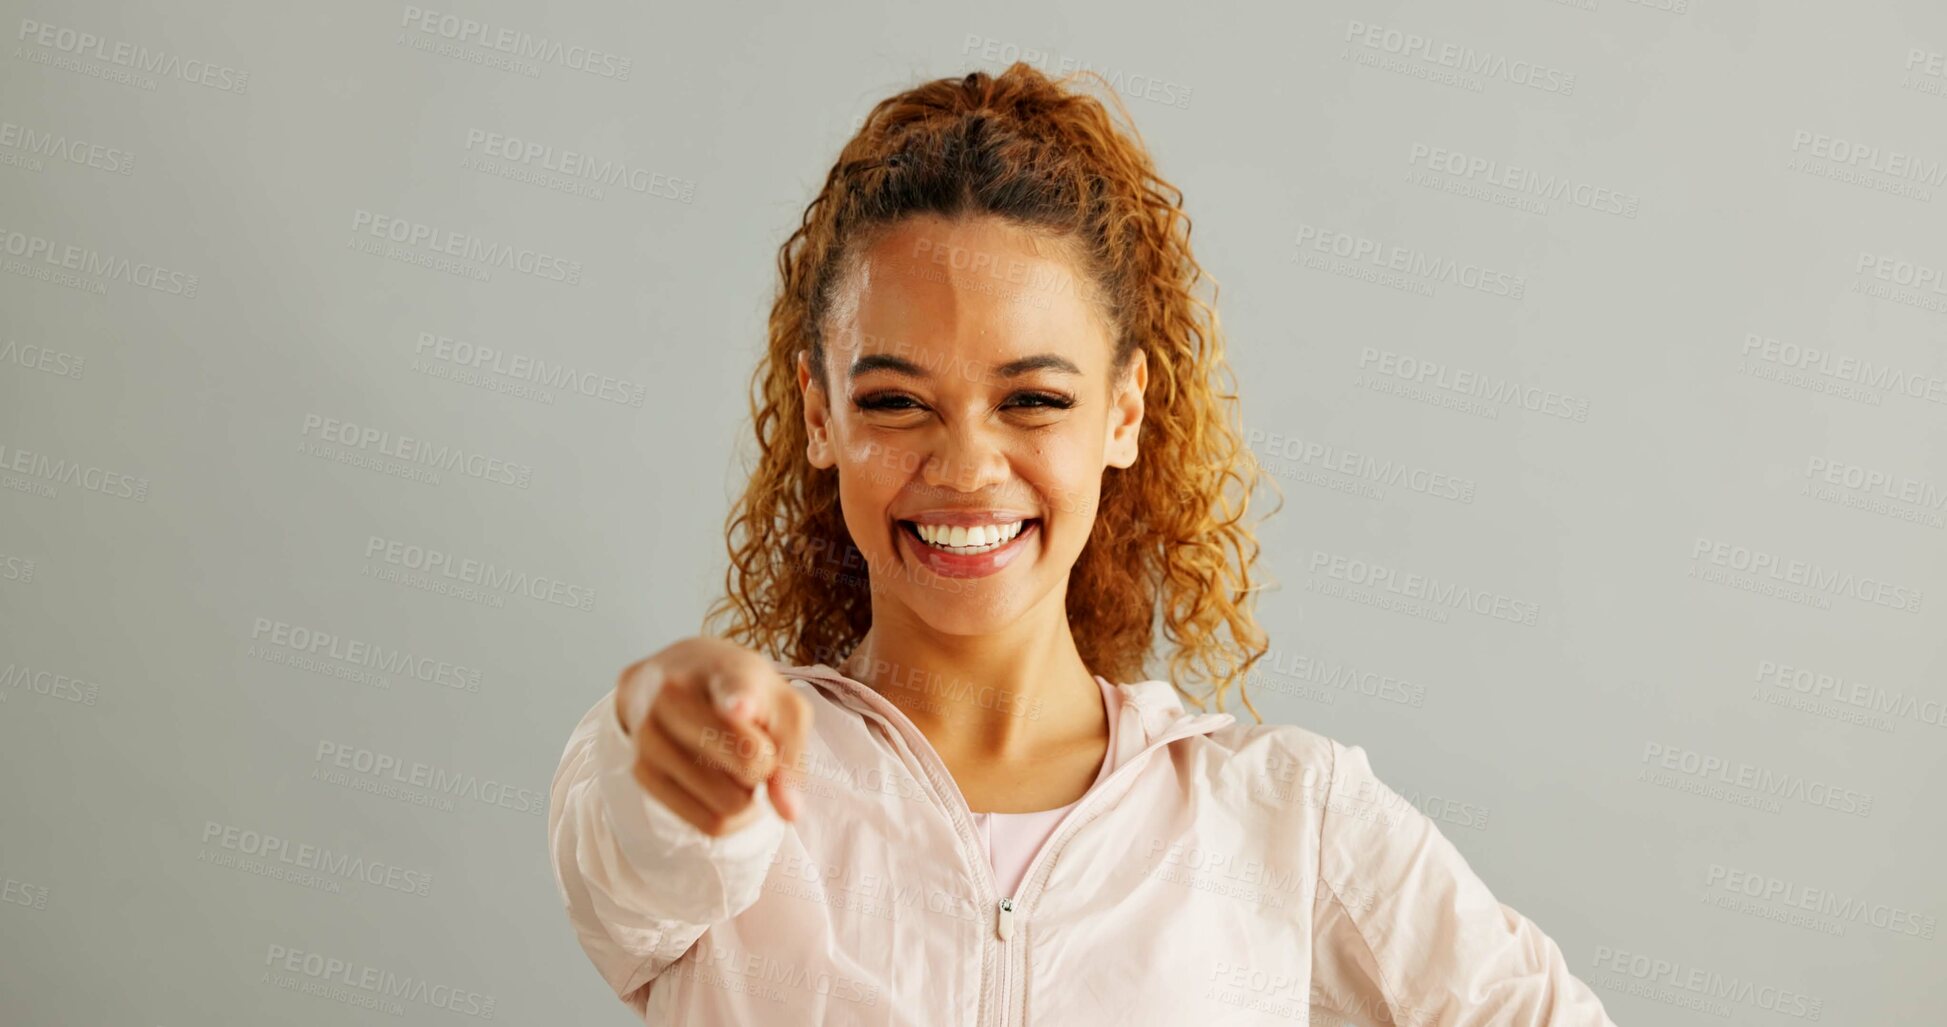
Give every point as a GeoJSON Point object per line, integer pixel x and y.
{"type": "Point", "coordinates": [1277, 746]}
{"type": "Point", "coordinates": [817, 682]}
{"type": "Point", "coordinates": [1307, 768]}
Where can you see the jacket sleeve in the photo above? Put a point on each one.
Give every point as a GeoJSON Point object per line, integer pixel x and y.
{"type": "Point", "coordinates": [1405, 933]}
{"type": "Point", "coordinates": [641, 884]}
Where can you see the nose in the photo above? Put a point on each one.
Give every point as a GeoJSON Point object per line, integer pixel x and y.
{"type": "Point", "coordinates": [966, 460]}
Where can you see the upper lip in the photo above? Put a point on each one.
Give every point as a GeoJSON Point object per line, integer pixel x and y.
{"type": "Point", "coordinates": [966, 518]}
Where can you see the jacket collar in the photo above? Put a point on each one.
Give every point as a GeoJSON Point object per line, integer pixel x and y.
{"type": "Point", "coordinates": [1160, 710]}
{"type": "Point", "coordinates": [1150, 709]}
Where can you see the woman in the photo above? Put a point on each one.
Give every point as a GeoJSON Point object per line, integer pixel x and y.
{"type": "Point", "coordinates": [994, 451]}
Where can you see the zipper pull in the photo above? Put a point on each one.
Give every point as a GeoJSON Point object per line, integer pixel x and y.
{"type": "Point", "coordinates": [1004, 920]}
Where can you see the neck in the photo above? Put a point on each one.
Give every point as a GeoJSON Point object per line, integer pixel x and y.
{"type": "Point", "coordinates": [1002, 696]}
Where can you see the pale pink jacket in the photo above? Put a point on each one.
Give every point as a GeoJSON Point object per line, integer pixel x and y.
{"type": "Point", "coordinates": [1222, 873]}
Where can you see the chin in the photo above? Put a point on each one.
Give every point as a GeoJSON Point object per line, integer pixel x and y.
{"type": "Point", "coordinates": [966, 607]}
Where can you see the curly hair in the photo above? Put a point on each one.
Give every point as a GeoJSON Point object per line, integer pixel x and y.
{"type": "Point", "coordinates": [1168, 532]}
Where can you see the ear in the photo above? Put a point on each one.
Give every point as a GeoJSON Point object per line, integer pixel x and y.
{"type": "Point", "coordinates": [817, 416]}
{"type": "Point", "coordinates": [1126, 411]}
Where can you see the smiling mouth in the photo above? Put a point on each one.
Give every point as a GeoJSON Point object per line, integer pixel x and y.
{"type": "Point", "coordinates": [911, 528]}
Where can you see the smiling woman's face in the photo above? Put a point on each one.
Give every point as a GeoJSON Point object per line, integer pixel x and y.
{"type": "Point", "coordinates": [970, 390]}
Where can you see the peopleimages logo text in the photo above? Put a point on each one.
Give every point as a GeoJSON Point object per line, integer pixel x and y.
{"type": "Point", "coordinates": [90, 261]}
{"type": "Point", "coordinates": [358, 652]}
{"type": "Point", "coordinates": [413, 234]}
{"type": "Point", "coordinates": [323, 859]}
{"type": "Point", "coordinates": [59, 147]}
{"type": "Point", "coordinates": [579, 166]}
{"type": "Point", "coordinates": [435, 779]}
{"type": "Point", "coordinates": [130, 55]}
{"type": "Point", "coordinates": [478, 572]}
{"type": "Point", "coordinates": [538, 370]}
{"type": "Point", "coordinates": [518, 43]}
{"type": "Point", "coordinates": [378, 982]}
{"type": "Point", "coordinates": [1409, 262]}
{"type": "Point", "coordinates": [1465, 59]}
{"type": "Point", "coordinates": [101, 480]}
{"type": "Point", "coordinates": [417, 451]}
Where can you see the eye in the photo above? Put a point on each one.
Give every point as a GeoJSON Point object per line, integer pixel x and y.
{"type": "Point", "coordinates": [899, 402]}
{"type": "Point", "coordinates": [885, 401]}
{"type": "Point", "coordinates": [1046, 400]}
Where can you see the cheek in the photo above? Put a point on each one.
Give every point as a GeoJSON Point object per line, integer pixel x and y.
{"type": "Point", "coordinates": [870, 476]}
{"type": "Point", "coordinates": [1068, 474]}
{"type": "Point", "coordinates": [873, 468]}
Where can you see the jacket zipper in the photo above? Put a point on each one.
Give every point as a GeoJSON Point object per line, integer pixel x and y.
{"type": "Point", "coordinates": [1004, 928]}
{"type": "Point", "coordinates": [995, 949]}
{"type": "Point", "coordinates": [1008, 907]}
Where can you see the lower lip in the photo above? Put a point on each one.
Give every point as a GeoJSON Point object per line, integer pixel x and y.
{"type": "Point", "coordinates": [975, 565]}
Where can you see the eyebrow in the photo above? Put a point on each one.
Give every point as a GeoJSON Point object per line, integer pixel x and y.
{"type": "Point", "coordinates": [1012, 369]}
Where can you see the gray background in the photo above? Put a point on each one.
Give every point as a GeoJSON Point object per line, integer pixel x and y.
{"type": "Point", "coordinates": [1787, 171]}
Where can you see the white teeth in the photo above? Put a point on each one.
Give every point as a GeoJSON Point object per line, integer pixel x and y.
{"type": "Point", "coordinates": [977, 539]}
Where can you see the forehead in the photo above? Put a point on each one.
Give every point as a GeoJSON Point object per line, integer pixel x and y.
{"type": "Point", "coordinates": [966, 293]}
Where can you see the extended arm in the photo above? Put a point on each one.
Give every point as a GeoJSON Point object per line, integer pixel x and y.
{"type": "Point", "coordinates": [640, 884]}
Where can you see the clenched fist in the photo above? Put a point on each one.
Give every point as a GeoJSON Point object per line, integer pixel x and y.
{"type": "Point", "coordinates": [720, 721]}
